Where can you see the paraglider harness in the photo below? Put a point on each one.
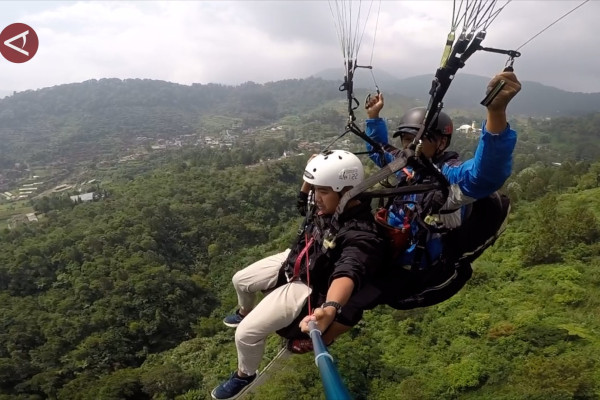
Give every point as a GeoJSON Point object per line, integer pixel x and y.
{"type": "Point", "coordinates": [436, 280]}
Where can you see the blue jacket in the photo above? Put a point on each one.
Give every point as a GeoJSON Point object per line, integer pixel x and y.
{"type": "Point", "coordinates": [470, 180]}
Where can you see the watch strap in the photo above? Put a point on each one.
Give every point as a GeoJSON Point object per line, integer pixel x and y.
{"type": "Point", "coordinates": [338, 306]}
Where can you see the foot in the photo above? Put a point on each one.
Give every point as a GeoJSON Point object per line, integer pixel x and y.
{"type": "Point", "coordinates": [233, 320]}
{"type": "Point", "coordinates": [299, 346]}
{"type": "Point", "coordinates": [232, 388]}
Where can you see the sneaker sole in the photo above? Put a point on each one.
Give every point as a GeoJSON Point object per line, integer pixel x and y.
{"type": "Point", "coordinates": [230, 324]}
{"type": "Point", "coordinates": [212, 394]}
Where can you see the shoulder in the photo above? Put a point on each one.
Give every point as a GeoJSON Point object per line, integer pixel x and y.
{"type": "Point", "coordinates": [359, 220]}
{"type": "Point", "coordinates": [447, 157]}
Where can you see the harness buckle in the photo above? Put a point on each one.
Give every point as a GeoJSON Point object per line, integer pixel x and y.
{"type": "Point", "coordinates": [432, 220]}
{"type": "Point", "coordinates": [328, 241]}
{"type": "Point", "coordinates": [289, 276]}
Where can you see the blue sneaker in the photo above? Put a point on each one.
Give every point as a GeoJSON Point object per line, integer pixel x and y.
{"type": "Point", "coordinates": [233, 320]}
{"type": "Point", "coordinates": [232, 388]}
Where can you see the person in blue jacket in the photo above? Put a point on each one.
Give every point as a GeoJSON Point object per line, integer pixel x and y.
{"type": "Point", "coordinates": [429, 262]}
{"type": "Point", "coordinates": [469, 180]}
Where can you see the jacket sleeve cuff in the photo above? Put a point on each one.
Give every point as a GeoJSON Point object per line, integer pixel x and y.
{"type": "Point", "coordinates": [484, 131]}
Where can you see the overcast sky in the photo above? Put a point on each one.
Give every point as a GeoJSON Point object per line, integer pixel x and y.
{"type": "Point", "coordinates": [232, 42]}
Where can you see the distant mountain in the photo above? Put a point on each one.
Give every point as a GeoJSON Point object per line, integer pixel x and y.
{"type": "Point", "coordinates": [362, 79]}
{"type": "Point", "coordinates": [467, 90]}
{"type": "Point", "coordinates": [4, 93]}
{"type": "Point", "coordinates": [110, 116]}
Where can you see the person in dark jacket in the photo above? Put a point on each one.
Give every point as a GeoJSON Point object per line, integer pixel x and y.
{"type": "Point", "coordinates": [335, 270]}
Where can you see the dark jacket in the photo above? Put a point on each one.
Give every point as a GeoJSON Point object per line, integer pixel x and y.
{"type": "Point", "coordinates": [357, 253]}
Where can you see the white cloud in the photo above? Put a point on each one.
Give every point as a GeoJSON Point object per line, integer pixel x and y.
{"type": "Point", "coordinates": [236, 41]}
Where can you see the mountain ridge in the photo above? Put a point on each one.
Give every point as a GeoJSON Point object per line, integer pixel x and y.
{"type": "Point", "coordinates": [535, 99]}
{"type": "Point", "coordinates": [111, 115]}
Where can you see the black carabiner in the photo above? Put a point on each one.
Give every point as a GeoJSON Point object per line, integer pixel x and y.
{"type": "Point", "coordinates": [368, 98]}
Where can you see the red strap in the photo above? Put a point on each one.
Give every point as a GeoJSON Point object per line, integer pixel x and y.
{"type": "Point", "coordinates": [308, 273]}
{"type": "Point", "coordinates": [299, 259]}
{"type": "Point", "coordinates": [304, 254]}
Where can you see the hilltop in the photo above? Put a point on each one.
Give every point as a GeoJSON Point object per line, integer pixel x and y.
{"type": "Point", "coordinates": [467, 90]}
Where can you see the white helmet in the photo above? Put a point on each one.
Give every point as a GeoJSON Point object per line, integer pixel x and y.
{"type": "Point", "coordinates": [336, 169]}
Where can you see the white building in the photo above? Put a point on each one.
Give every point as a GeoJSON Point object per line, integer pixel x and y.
{"type": "Point", "coordinates": [83, 197]}
{"type": "Point", "coordinates": [468, 129]}
{"type": "Point", "coordinates": [31, 217]}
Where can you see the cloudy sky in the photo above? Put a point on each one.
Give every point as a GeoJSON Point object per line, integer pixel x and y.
{"type": "Point", "coordinates": [232, 42]}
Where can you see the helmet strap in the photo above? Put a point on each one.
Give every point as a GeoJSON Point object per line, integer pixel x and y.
{"type": "Point", "coordinates": [441, 146]}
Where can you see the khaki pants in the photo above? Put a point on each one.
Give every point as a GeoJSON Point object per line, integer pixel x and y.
{"type": "Point", "coordinates": [277, 310]}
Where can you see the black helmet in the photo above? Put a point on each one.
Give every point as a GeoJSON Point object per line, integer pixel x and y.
{"type": "Point", "coordinates": [412, 120]}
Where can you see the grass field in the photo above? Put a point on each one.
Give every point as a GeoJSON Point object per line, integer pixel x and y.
{"type": "Point", "coordinates": [8, 210]}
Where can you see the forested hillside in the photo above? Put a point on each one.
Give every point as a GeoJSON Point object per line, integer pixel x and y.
{"type": "Point", "coordinates": [96, 288]}
{"type": "Point", "coordinates": [102, 119]}
{"type": "Point", "coordinates": [105, 118]}
{"type": "Point", "coordinates": [122, 297]}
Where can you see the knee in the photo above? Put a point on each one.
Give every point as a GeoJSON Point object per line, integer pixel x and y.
{"type": "Point", "coordinates": [349, 316]}
{"type": "Point", "coordinates": [247, 336]}
{"type": "Point", "coordinates": [366, 299]}
{"type": "Point", "coordinates": [238, 281]}
{"type": "Point", "coordinates": [239, 335]}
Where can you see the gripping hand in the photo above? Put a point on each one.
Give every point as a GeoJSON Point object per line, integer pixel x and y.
{"type": "Point", "coordinates": [507, 86]}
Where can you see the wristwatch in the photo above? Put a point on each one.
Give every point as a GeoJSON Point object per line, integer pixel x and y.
{"type": "Point", "coordinates": [338, 306]}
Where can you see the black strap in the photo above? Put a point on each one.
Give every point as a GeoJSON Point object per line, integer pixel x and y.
{"type": "Point", "coordinates": [392, 192]}
{"type": "Point", "coordinates": [397, 164]}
